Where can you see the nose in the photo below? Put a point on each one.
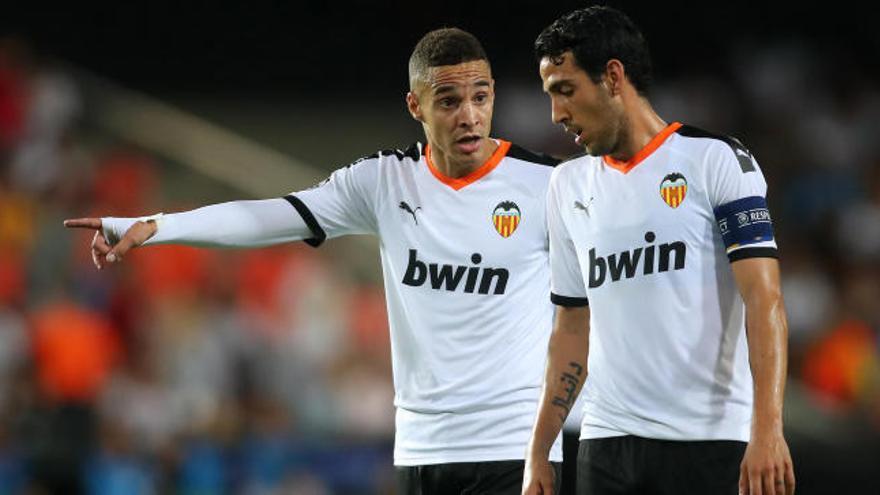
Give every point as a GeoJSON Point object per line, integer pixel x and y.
{"type": "Point", "coordinates": [558, 112]}
{"type": "Point", "coordinates": [468, 115]}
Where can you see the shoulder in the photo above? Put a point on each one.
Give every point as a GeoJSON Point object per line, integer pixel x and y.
{"type": "Point", "coordinates": [517, 152]}
{"type": "Point", "coordinates": [573, 166]}
{"type": "Point", "coordinates": [537, 162]}
{"type": "Point", "coordinates": [712, 144]}
{"type": "Point", "coordinates": [410, 154]}
{"type": "Point", "coordinates": [528, 166]}
{"type": "Point", "coordinates": [386, 162]}
{"type": "Point", "coordinates": [528, 162]}
{"type": "Point", "coordinates": [366, 171]}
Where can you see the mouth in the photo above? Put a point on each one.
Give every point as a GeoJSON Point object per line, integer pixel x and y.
{"type": "Point", "coordinates": [579, 138]}
{"type": "Point", "coordinates": [468, 144]}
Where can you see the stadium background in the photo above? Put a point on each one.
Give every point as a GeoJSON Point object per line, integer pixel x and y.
{"type": "Point", "coordinates": [194, 371]}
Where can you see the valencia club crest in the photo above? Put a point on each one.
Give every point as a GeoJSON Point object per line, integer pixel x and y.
{"type": "Point", "coordinates": [673, 189]}
{"type": "Point", "coordinates": [506, 218]}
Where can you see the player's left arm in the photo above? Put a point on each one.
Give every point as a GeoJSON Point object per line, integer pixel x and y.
{"type": "Point", "coordinates": [738, 194]}
{"type": "Point", "coordinates": [767, 466]}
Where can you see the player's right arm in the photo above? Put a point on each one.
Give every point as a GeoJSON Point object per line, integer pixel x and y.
{"type": "Point", "coordinates": [343, 204]}
{"type": "Point", "coordinates": [566, 367]}
{"type": "Point", "coordinates": [233, 224]}
{"type": "Point", "coordinates": [563, 380]}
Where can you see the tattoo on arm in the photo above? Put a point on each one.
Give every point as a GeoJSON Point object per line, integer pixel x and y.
{"type": "Point", "coordinates": [572, 380]}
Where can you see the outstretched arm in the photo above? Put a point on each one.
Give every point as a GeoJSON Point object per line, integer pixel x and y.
{"type": "Point", "coordinates": [563, 380]}
{"type": "Point", "coordinates": [234, 224]}
{"type": "Point", "coordinates": [766, 467]}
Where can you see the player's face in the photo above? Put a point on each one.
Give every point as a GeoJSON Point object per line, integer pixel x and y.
{"type": "Point", "coordinates": [454, 104]}
{"type": "Point", "coordinates": [586, 109]}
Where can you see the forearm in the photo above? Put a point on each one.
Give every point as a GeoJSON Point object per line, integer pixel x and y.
{"type": "Point", "coordinates": [234, 224]}
{"type": "Point", "coordinates": [767, 335]}
{"type": "Point", "coordinates": [564, 377]}
{"type": "Point", "coordinates": [758, 281]}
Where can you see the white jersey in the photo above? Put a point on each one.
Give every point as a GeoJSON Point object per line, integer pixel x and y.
{"type": "Point", "coordinates": [648, 245]}
{"type": "Point", "coordinates": [466, 269]}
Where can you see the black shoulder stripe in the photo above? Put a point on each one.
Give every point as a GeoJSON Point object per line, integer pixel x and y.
{"type": "Point", "coordinates": [525, 155]}
{"type": "Point", "coordinates": [319, 235]}
{"type": "Point", "coordinates": [414, 151]}
{"type": "Point", "coordinates": [743, 155]}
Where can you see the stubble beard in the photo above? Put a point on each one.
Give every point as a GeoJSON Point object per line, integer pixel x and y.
{"type": "Point", "coordinates": [611, 137]}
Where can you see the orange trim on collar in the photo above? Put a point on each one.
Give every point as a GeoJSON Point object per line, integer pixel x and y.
{"type": "Point", "coordinates": [626, 166]}
{"type": "Point", "coordinates": [458, 183]}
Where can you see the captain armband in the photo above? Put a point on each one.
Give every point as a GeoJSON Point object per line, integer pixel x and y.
{"type": "Point", "coordinates": [746, 228]}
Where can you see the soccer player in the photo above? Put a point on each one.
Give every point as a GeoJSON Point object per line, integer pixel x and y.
{"type": "Point", "coordinates": [464, 249]}
{"type": "Point", "coordinates": [664, 274]}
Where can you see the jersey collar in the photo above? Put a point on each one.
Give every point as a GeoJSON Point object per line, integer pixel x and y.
{"type": "Point", "coordinates": [626, 166]}
{"type": "Point", "coordinates": [459, 182]}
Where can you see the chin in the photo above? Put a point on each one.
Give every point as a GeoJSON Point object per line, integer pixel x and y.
{"type": "Point", "coordinates": [598, 149]}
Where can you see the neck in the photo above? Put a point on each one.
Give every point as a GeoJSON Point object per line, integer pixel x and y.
{"type": "Point", "coordinates": [640, 126]}
{"type": "Point", "coordinates": [456, 169]}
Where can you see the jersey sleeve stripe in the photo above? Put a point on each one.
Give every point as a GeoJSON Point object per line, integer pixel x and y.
{"type": "Point", "coordinates": [752, 252]}
{"type": "Point", "coordinates": [319, 235]}
{"type": "Point", "coordinates": [570, 302]}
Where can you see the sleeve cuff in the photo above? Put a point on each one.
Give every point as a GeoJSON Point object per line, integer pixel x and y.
{"type": "Point", "coordinates": [752, 252]}
{"type": "Point", "coordinates": [318, 234]}
{"type": "Point", "coordinates": [568, 301]}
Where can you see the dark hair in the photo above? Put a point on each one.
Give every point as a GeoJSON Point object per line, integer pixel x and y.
{"type": "Point", "coordinates": [445, 46]}
{"type": "Point", "coordinates": [596, 35]}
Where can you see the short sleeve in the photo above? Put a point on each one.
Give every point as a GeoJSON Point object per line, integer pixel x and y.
{"type": "Point", "coordinates": [566, 280]}
{"type": "Point", "coordinates": [738, 194]}
{"type": "Point", "coordinates": [342, 204]}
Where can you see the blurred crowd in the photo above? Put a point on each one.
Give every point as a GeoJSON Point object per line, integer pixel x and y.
{"type": "Point", "coordinates": [180, 370]}
{"type": "Point", "coordinates": [268, 371]}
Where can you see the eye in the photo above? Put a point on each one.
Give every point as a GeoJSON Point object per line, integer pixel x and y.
{"type": "Point", "coordinates": [447, 102]}
{"type": "Point", "coordinates": [481, 98]}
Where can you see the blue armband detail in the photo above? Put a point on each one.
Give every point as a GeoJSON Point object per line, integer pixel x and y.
{"type": "Point", "coordinates": [744, 221]}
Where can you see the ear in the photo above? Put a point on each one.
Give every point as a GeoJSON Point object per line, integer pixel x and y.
{"type": "Point", "coordinates": [412, 104]}
{"type": "Point", "coordinates": [614, 76]}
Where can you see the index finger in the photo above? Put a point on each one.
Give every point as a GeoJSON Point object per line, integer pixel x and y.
{"type": "Point", "coordinates": [83, 223]}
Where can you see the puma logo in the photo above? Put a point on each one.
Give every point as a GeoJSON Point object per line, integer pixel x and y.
{"type": "Point", "coordinates": [586, 207]}
{"type": "Point", "coordinates": [407, 208]}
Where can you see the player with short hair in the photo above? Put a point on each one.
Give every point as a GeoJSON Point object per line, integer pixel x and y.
{"type": "Point", "coordinates": [465, 259]}
{"type": "Point", "coordinates": [664, 273]}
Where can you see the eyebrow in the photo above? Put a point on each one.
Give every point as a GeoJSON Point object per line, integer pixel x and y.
{"type": "Point", "coordinates": [445, 88]}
